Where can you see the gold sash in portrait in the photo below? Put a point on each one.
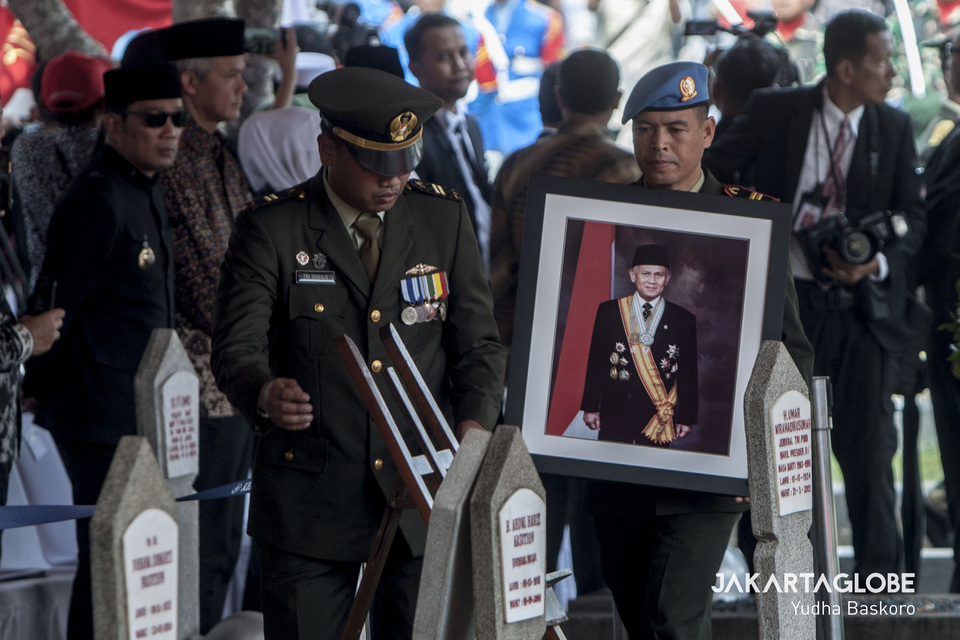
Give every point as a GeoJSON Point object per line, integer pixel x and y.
{"type": "Point", "coordinates": [660, 428]}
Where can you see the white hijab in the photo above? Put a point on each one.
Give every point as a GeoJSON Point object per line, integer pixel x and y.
{"type": "Point", "coordinates": [278, 148]}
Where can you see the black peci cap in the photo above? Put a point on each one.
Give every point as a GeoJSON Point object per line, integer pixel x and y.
{"type": "Point", "coordinates": [206, 38]}
{"type": "Point", "coordinates": [379, 115]}
{"type": "Point", "coordinates": [652, 254]}
{"type": "Point", "coordinates": [124, 86]}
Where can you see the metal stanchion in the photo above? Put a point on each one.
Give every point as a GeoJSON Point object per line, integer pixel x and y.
{"type": "Point", "coordinates": [825, 560]}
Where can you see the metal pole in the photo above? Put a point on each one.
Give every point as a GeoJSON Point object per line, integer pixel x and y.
{"type": "Point", "coordinates": [825, 560]}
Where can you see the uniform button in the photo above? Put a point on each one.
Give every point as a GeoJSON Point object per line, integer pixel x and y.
{"type": "Point", "coordinates": [288, 456]}
{"type": "Point", "coordinates": [375, 315]}
{"type": "Point", "coordinates": [378, 464]}
{"type": "Point", "coordinates": [376, 365]}
{"type": "Point", "coordinates": [318, 307]}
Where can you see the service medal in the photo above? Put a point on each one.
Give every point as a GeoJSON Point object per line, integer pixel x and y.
{"type": "Point", "coordinates": [408, 315]}
{"type": "Point", "coordinates": [614, 358]}
{"type": "Point", "coordinates": [646, 338]}
{"type": "Point", "coordinates": [613, 372]}
{"type": "Point", "coordinates": [303, 258]}
{"type": "Point", "coordinates": [319, 260]}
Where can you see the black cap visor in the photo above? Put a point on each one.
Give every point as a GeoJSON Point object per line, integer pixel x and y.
{"type": "Point", "coordinates": [391, 163]}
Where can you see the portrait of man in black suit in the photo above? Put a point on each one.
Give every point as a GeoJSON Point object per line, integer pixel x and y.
{"type": "Point", "coordinates": [642, 373]}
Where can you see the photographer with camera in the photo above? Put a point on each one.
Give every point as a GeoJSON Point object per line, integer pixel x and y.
{"type": "Point", "coordinates": [841, 155]}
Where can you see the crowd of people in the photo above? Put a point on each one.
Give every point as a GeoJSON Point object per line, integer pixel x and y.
{"type": "Point", "coordinates": [396, 164]}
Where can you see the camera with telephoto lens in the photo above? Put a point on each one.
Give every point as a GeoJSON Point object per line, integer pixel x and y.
{"type": "Point", "coordinates": [763, 23]}
{"type": "Point", "coordinates": [856, 244]}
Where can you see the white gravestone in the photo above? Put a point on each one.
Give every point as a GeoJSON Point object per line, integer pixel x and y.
{"type": "Point", "coordinates": [777, 418]}
{"type": "Point", "coordinates": [790, 419]}
{"type": "Point", "coordinates": [179, 397]}
{"type": "Point", "coordinates": [168, 414]}
{"type": "Point", "coordinates": [508, 565]}
{"type": "Point", "coordinates": [134, 544]}
{"type": "Point", "coordinates": [523, 547]}
{"type": "Point", "coordinates": [150, 550]}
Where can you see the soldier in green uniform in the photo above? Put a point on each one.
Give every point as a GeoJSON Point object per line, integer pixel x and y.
{"type": "Point", "coordinates": [661, 548]}
{"type": "Point", "coordinates": [343, 253]}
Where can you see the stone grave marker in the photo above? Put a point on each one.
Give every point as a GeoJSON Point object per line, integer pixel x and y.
{"type": "Point", "coordinates": [508, 523]}
{"type": "Point", "coordinates": [134, 549]}
{"type": "Point", "coordinates": [778, 425]}
{"type": "Point", "coordinates": [445, 604]}
{"type": "Point", "coordinates": [168, 415]}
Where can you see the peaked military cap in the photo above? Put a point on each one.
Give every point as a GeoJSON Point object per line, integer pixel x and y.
{"type": "Point", "coordinates": [377, 114]}
{"type": "Point", "coordinates": [669, 87]}
{"type": "Point", "coordinates": [126, 85]}
{"type": "Point", "coordinates": [205, 38]}
{"type": "Point", "coordinates": [652, 254]}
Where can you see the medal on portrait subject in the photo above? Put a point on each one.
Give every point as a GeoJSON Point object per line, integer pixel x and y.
{"type": "Point", "coordinates": [303, 258]}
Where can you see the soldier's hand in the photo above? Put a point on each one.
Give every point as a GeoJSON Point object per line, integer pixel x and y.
{"type": "Point", "coordinates": [845, 272]}
{"type": "Point", "coordinates": [45, 329]}
{"type": "Point", "coordinates": [467, 425]}
{"type": "Point", "coordinates": [592, 420]}
{"type": "Point", "coordinates": [287, 405]}
{"type": "Point", "coordinates": [683, 430]}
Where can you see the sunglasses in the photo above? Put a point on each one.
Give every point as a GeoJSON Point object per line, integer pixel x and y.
{"type": "Point", "coordinates": [157, 119]}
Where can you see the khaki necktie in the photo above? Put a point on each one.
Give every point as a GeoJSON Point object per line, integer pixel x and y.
{"type": "Point", "coordinates": [367, 227]}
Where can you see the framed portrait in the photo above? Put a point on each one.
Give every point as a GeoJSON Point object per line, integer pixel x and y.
{"type": "Point", "coordinates": [604, 387]}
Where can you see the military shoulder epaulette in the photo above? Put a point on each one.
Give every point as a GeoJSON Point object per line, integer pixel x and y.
{"type": "Point", "coordinates": [735, 191]}
{"type": "Point", "coordinates": [940, 131]}
{"type": "Point", "coordinates": [286, 194]}
{"type": "Point", "coordinates": [433, 189]}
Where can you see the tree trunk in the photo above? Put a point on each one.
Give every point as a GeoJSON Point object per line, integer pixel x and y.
{"type": "Point", "coordinates": [53, 28]}
{"type": "Point", "coordinates": [194, 9]}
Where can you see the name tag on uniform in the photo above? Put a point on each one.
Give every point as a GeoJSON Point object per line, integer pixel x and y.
{"type": "Point", "coordinates": [315, 277]}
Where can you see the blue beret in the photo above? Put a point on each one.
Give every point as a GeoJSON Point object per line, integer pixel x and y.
{"type": "Point", "coordinates": [670, 87]}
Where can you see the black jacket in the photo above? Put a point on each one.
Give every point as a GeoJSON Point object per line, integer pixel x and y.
{"type": "Point", "coordinates": [109, 222]}
{"type": "Point", "coordinates": [770, 139]}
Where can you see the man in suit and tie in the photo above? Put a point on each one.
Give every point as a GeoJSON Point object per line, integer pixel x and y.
{"type": "Point", "coordinates": [642, 369]}
{"type": "Point", "coordinates": [336, 255]}
{"type": "Point", "coordinates": [834, 150]}
{"type": "Point", "coordinates": [452, 144]}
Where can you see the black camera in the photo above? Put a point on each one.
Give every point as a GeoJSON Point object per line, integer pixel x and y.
{"type": "Point", "coordinates": [763, 23]}
{"type": "Point", "coordinates": [856, 244]}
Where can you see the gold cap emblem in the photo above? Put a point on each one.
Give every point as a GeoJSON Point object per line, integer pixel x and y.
{"type": "Point", "coordinates": [688, 88]}
{"type": "Point", "coordinates": [402, 126]}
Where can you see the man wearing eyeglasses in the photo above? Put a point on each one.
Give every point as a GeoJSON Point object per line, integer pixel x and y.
{"type": "Point", "coordinates": [110, 251]}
